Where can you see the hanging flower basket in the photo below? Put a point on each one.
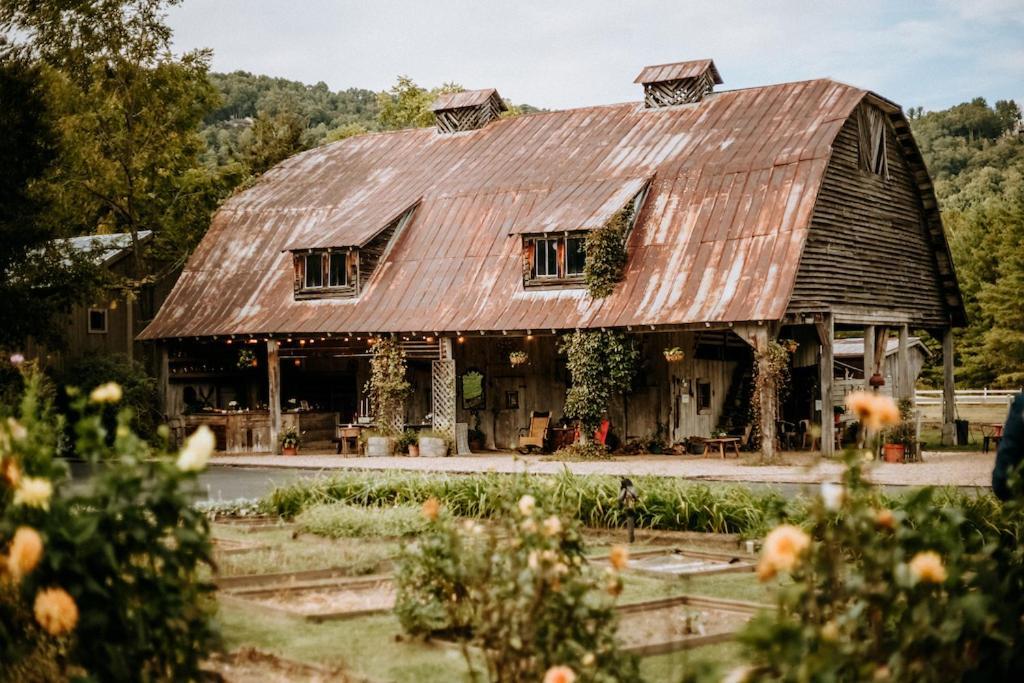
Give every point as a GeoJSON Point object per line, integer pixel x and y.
{"type": "Point", "coordinates": [518, 358]}
{"type": "Point", "coordinates": [674, 355]}
{"type": "Point", "coordinates": [790, 345]}
{"type": "Point", "coordinates": [246, 359]}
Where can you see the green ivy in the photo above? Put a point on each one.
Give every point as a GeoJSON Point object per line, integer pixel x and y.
{"type": "Point", "coordinates": [601, 364]}
{"type": "Point", "coordinates": [606, 254]}
{"type": "Point", "coordinates": [388, 387]}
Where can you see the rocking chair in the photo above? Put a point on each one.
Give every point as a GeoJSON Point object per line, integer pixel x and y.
{"type": "Point", "coordinates": [533, 437]}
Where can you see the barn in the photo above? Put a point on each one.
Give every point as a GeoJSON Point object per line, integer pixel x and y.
{"type": "Point", "coordinates": [793, 211]}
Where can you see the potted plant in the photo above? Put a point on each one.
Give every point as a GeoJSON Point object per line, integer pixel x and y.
{"type": "Point", "coordinates": [517, 358]}
{"type": "Point", "coordinates": [246, 359]}
{"type": "Point", "coordinates": [379, 445]}
{"type": "Point", "coordinates": [408, 443]}
{"type": "Point", "coordinates": [290, 441]}
{"type": "Point", "coordinates": [433, 444]}
{"type": "Point", "coordinates": [790, 345]}
{"type": "Point", "coordinates": [674, 355]}
{"type": "Point", "coordinates": [901, 437]}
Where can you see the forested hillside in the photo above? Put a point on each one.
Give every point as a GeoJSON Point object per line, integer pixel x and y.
{"type": "Point", "coordinates": [975, 153]}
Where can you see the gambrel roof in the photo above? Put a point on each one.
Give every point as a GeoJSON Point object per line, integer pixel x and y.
{"type": "Point", "coordinates": [732, 187]}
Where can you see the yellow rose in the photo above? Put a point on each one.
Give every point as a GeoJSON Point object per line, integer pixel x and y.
{"type": "Point", "coordinates": [782, 550]}
{"type": "Point", "coordinates": [197, 451]}
{"type": "Point", "coordinates": [106, 393]}
{"type": "Point", "coordinates": [9, 471]}
{"type": "Point", "coordinates": [619, 556]}
{"type": "Point", "coordinates": [26, 549]}
{"type": "Point", "coordinates": [34, 492]}
{"type": "Point", "coordinates": [927, 567]}
{"type": "Point", "coordinates": [56, 611]}
{"type": "Point", "coordinates": [559, 674]}
{"type": "Point", "coordinates": [873, 410]}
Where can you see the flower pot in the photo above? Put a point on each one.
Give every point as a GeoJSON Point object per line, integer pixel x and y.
{"type": "Point", "coordinates": [379, 446]}
{"type": "Point", "coordinates": [289, 450]}
{"type": "Point", "coordinates": [414, 450]}
{"type": "Point", "coordinates": [433, 447]}
{"type": "Point", "coordinates": [893, 452]}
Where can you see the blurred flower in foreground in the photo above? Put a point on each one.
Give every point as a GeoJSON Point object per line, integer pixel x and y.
{"type": "Point", "coordinates": [927, 567]}
{"type": "Point", "coordinates": [106, 393]}
{"type": "Point", "coordinates": [431, 508]}
{"type": "Point", "coordinates": [526, 505]}
{"type": "Point", "coordinates": [34, 492]}
{"type": "Point", "coordinates": [782, 550]}
{"type": "Point", "coordinates": [17, 359]}
{"type": "Point", "coordinates": [619, 557]}
{"type": "Point", "coordinates": [26, 549]}
{"type": "Point", "coordinates": [197, 451]}
{"type": "Point", "coordinates": [559, 674]}
{"type": "Point", "coordinates": [832, 495]}
{"type": "Point", "coordinates": [56, 611]}
{"type": "Point", "coordinates": [874, 410]}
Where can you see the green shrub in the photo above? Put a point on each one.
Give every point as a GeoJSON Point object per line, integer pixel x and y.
{"type": "Point", "coordinates": [519, 591]}
{"type": "Point", "coordinates": [591, 450]}
{"type": "Point", "coordinates": [121, 556]}
{"type": "Point", "coordinates": [138, 387]}
{"type": "Point", "coordinates": [348, 521]}
{"type": "Point", "coordinates": [931, 590]}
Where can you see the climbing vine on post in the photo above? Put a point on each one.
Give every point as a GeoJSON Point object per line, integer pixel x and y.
{"type": "Point", "coordinates": [771, 382]}
{"type": "Point", "coordinates": [601, 364]}
{"type": "Point", "coordinates": [606, 254]}
{"type": "Point", "coordinates": [387, 387]}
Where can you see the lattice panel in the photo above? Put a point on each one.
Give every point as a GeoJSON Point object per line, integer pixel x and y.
{"type": "Point", "coordinates": [682, 91]}
{"type": "Point", "coordinates": [465, 118]}
{"type": "Point", "coordinates": [443, 378]}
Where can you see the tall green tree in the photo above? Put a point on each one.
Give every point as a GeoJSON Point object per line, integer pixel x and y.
{"type": "Point", "coordinates": [128, 113]}
{"type": "Point", "coordinates": [407, 105]}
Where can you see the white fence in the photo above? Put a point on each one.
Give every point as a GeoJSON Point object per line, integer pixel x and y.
{"type": "Point", "coordinates": [966, 397]}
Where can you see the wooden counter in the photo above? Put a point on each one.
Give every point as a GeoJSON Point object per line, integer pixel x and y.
{"type": "Point", "coordinates": [249, 431]}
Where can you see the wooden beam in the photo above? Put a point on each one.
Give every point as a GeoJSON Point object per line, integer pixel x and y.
{"type": "Point", "coordinates": [826, 335]}
{"type": "Point", "coordinates": [274, 393]}
{"type": "Point", "coordinates": [758, 337]}
{"type": "Point", "coordinates": [948, 390]}
{"type": "Point", "coordinates": [164, 381]}
{"type": "Point", "coordinates": [904, 386]}
{"type": "Point", "coordinates": [869, 354]}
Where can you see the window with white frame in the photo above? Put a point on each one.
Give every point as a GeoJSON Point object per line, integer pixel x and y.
{"type": "Point", "coordinates": [97, 321]}
{"type": "Point", "coordinates": [556, 259]}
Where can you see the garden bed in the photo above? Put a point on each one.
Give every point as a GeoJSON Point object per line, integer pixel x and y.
{"type": "Point", "coordinates": [680, 623]}
{"type": "Point", "coordinates": [231, 546]}
{"type": "Point", "coordinates": [665, 563]}
{"type": "Point", "coordinates": [249, 664]}
{"type": "Point", "coordinates": [319, 599]}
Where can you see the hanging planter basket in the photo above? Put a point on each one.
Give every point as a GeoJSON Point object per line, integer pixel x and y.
{"type": "Point", "coordinates": [246, 359]}
{"type": "Point", "coordinates": [517, 358]}
{"type": "Point", "coordinates": [790, 345]}
{"type": "Point", "coordinates": [674, 355]}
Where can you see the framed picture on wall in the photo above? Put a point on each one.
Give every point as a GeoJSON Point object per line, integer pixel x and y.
{"type": "Point", "coordinates": [512, 400]}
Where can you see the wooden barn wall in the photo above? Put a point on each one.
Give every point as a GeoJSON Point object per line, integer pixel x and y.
{"type": "Point", "coordinates": [867, 247]}
{"type": "Point", "coordinates": [541, 384]}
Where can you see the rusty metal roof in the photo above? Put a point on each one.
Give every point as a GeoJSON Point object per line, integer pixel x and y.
{"type": "Point", "coordinates": [718, 239]}
{"type": "Point", "coordinates": [677, 71]}
{"type": "Point", "coordinates": [466, 98]}
{"type": "Point", "coordinates": [583, 205]}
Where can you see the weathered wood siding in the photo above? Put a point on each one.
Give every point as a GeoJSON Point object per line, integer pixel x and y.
{"type": "Point", "coordinates": [868, 249]}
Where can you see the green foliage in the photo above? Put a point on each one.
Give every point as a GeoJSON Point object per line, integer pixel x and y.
{"type": "Point", "coordinates": [601, 364]}
{"type": "Point", "coordinates": [590, 450]}
{"type": "Point", "coordinates": [914, 594]}
{"type": "Point", "coordinates": [975, 153]}
{"type": "Point", "coordinates": [272, 139]}
{"type": "Point", "coordinates": [409, 437]}
{"type": "Point", "coordinates": [606, 254]}
{"type": "Point", "coordinates": [407, 105]}
{"type": "Point", "coordinates": [290, 437]}
{"type": "Point", "coordinates": [349, 521]}
{"type": "Point", "coordinates": [387, 387]}
{"type": "Point", "coordinates": [771, 380]}
{"type": "Point", "coordinates": [128, 547]}
{"type": "Point", "coordinates": [518, 591]}
{"type": "Point", "coordinates": [140, 395]}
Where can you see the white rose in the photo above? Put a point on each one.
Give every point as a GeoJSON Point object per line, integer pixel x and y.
{"type": "Point", "coordinates": [197, 451]}
{"type": "Point", "coordinates": [34, 492]}
{"type": "Point", "coordinates": [526, 505]}
{"type": "Point", "coordinates": [832, 495]}
{"type": "Point", "coordinates": [106, 393]}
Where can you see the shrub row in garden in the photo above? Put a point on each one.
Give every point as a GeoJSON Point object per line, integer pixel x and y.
{"type": "Point", "coordinates": [665, 503]}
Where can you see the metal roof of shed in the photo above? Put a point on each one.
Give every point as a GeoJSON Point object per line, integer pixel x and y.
{"type": "Point", "coordinates": [718, 239]}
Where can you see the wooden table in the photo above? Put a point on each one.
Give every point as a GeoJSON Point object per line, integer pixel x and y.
{"type": "Point", "coordinates": [722, 443]}
{"type": "Point", "coordinates": [344, 434]}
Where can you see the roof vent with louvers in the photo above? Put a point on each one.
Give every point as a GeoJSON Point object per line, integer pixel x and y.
{"type": "Point", "coordinates": [468, 110]}
{"type": "Point", "coordinates": [679, 83]}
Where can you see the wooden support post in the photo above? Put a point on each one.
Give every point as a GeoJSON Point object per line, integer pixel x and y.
{"type": "Point", "coordinates": [274, 394]}
{"type": "Point", "coordinates": [826, 335]}
{"type": "Point", "coordinates": [905, 389]}
{"type": "Point", "coordinates": [869, 355]}
{"type": "Point", "coordinates": [758, 337]}
{"type": "Point", "coordinates": [948, 390]}
{"type": "Point", "coordinates": [129, 326]}
{"type": "Point", "coordinates": [164, 381]}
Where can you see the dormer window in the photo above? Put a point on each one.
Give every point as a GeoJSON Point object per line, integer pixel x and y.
{"type": "Point", "coordinates": [327, 273]}
{"type": "Point", "coordinates": [556, 259]}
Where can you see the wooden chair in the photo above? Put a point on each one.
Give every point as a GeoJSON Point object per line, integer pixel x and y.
{"type": "Point", "coordinates": [533, 437]}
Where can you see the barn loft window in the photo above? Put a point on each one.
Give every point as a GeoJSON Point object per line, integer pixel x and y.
{"type": "Point", "coordinates": [326, 273]}
{"type": "Point", "coordinates": [97, 322]}
{"type": "Point", "coordinates": [871, 129]}
{"type": "Point", "coordinates": [555, 259]}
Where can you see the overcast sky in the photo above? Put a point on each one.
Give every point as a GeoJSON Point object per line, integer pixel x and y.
{"type": "Point", "coordinates": [557, 54]}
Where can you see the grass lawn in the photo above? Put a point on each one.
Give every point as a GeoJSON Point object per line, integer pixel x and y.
{"type": "Point", "coordinates": [373, 648]}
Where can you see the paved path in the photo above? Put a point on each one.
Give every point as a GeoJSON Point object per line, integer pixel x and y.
{"type": "Point", "coordinates": [941, 468]}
